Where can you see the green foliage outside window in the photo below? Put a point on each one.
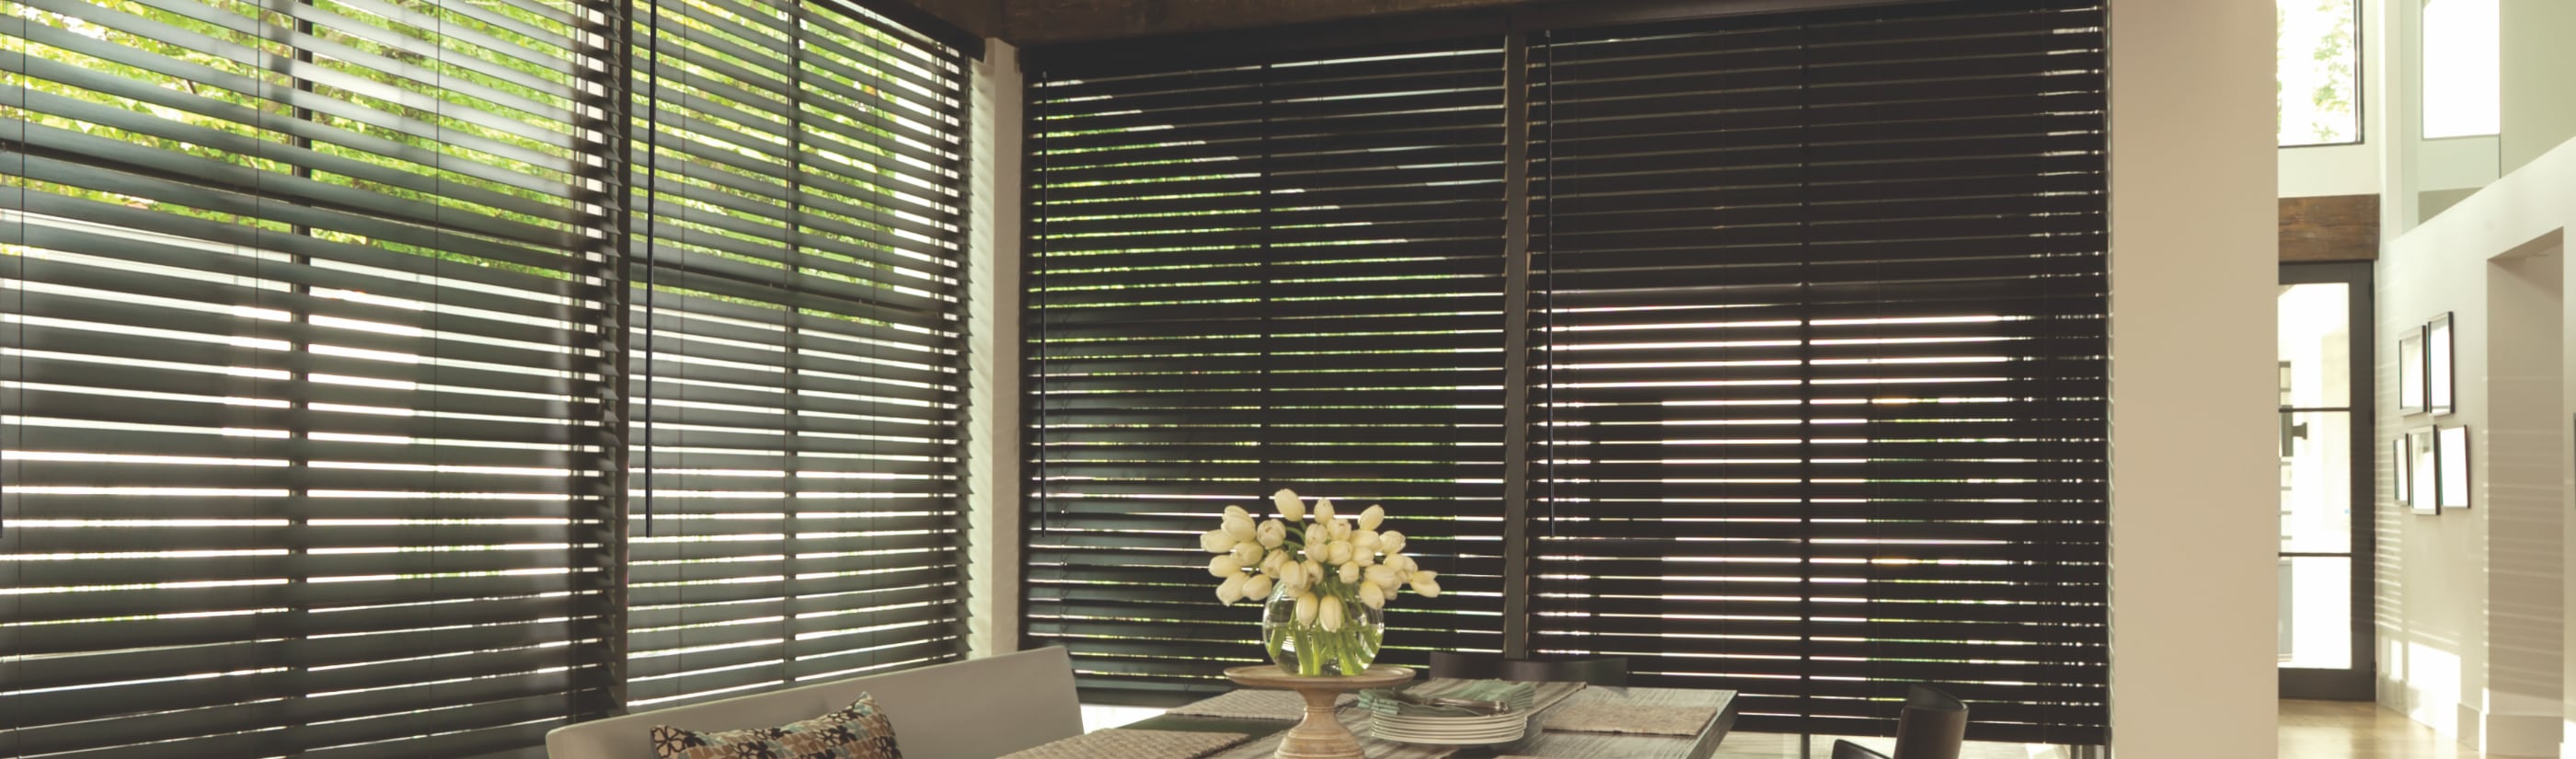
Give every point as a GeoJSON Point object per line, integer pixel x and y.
{"type": "Point", "coordinates": [2319, 72]}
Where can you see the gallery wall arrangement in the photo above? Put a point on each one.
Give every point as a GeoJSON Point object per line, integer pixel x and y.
{"type": "Point", "coordinates": [2430, 463]}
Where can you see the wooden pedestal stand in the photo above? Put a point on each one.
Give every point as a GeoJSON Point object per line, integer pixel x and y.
{"type": "Point", "coordinates": [1321, 735]}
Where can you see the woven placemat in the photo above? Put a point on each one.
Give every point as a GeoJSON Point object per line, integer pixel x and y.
{"type": "Point", "coordinates": [1134, 744]}
{"type": "Point", "coordinates": [1632, 719]}
{"type": "Point", "coordinates": [1254, 704]}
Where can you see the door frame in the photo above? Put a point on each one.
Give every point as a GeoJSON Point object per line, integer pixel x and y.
{"type": "Point", "coordinates": [2360, 681]}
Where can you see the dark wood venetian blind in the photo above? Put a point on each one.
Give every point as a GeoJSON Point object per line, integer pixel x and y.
{"type": "Point", "coordinates": [325, 334]}
{"type": "Point", "coordinates": [797, 346]}
{"type": "Point", "coordinates": [306, 414]}
{"type": "Point", "coordinates": [1819, 376]}
{"type": "Point", "coordinates": [1247, 275]}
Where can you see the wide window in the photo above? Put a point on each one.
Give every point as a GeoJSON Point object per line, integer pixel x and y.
{"type": "Point", "coordinates": [1811, 379]}
{"type": "Point", "coordinates": [319, 370]}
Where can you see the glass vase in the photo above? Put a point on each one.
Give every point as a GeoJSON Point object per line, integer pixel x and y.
{"type": "Point", "coordinates": [1308, 648]}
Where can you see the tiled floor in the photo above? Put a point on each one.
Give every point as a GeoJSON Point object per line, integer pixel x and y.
{"type": "Point", "coordinates": [2357, 730]}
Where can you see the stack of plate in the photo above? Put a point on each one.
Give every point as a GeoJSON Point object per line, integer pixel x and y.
{"type": "Point", "coordinates": [1448, 731]}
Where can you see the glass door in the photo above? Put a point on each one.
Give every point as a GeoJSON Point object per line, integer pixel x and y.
{"type": "Point", "coordinates": [2326, 480]}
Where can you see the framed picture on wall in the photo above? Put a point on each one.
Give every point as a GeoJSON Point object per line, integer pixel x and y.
{"type": "Point", "coordinates": [2437, 364]}
{"type": "Point", "coordinates": [2451, 448]}
{"type": "Point", "coordinates": [2410, 371]}
{"type": "Point", "coordinates": [2423, 464]}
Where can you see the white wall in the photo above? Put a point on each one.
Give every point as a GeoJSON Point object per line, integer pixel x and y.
{"type": "Point", "coordinates": [2320, 170]}
{"type": "Point", "coordinates": [2473, 604]}
{"type": "Point", "coordinates": [2453, 163]}
{"type": "Point", "coordinates": [2194, 222]}
{"type": "Point", "coordinates": [2539, 78]}
{"type": "Point", "coordinates": [2524, 496]}
{"type": "Point", "coordinates": [2431, 569]}
{"type": "Point", "coordinates": [993, 339]}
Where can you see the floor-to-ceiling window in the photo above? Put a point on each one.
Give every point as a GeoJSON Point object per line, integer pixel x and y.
{"type": "Point", "coordinates": [1766, 352]}
{"type": "Point", "coordinates": [329, 330]}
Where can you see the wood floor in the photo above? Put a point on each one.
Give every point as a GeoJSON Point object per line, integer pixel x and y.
{"type": "Point", "coordinates": [1774, 746]}
{"type": "Point", "coordinates": [2340, 729]}
{"type": "Point", "coordinates": [2309, 730]}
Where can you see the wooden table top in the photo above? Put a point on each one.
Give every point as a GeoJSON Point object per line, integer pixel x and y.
{"type": "Point", "coordinates": [1551, 744]}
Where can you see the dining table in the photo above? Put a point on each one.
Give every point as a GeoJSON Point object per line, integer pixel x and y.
{"type": "Point", "coordinates": [1580, 722]}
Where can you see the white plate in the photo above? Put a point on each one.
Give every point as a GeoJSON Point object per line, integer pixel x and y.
{"type": "Point", "coordinates": [1446, 724]}
{"type": "Point", "coordinates": [1449, 730]}
{"type": "Point", "coordinates": [1448, 739]}
{"type": "Point", "coordinates": [1477, 732]}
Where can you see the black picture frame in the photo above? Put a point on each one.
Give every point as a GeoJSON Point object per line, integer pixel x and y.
{"type": "Point", "coordinates": [2400, 482]}
{"type": "Point", "coordinates": [2439, 390]}
{"type": "Point", "coordinates": [2410, 371]}
{"type": "Point", "coordinates": [2451, 452]}
{"type": "Point", "coordinates": [2423, 464]}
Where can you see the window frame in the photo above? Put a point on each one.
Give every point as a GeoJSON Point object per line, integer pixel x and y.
{"type": "Point", "coordinates": [2360, 86]}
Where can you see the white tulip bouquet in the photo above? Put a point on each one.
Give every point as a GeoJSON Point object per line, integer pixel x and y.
{"type": "Point", "coordinates": [1325, 581]}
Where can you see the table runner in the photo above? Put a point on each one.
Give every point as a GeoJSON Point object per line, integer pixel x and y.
{"type": "Point", "coordinates": [1651, 696]}
{"type": "Point", "coordinates": [1633, 719]}
{"type": "Point", "coordinates": [1125, 743]}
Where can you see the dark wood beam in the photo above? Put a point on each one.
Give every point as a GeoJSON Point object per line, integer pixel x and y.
{"type": "Point", "coordinates": [1044, 22]}
{"type": "Point", "coordinates": [2330, 228]}
{"type": "Point", "coordinates": [982, 18]}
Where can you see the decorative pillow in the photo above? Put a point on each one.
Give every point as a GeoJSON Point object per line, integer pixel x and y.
{"type": "Point", "coordinates": [857, 732]}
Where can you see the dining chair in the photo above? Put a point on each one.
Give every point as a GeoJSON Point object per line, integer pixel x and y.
{"type": "Point", "coordinates": [1850, 750]}
{"type": "Point", "coordinates": [1931, 726]}
{"type": "Point", "coordinates": [1611, 671]}
{"type": "Point", "coordinates": [1465, 666]}
{"type": "Point", "coordinates": [1603, 671]}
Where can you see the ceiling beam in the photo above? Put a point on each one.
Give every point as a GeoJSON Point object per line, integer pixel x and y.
{"type": "Point", "coordinates": [982, 18]}
{"type": "Point", "coordinates": [2332, 228]}
{"type": "Point", "coordinates": [1045, 22]}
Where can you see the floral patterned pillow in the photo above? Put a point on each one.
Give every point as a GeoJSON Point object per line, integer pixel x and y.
{"type": "Point", "coordinates": [857, 732]}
